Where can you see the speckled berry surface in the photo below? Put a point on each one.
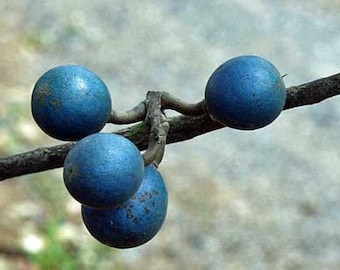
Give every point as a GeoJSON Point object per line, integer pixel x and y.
{"type": "Point", "coordinates": [246, 92]}
{"type": "Point", "coordinates": [134, 222]}
{"type": "Point", "coordinates": [70, 102]}
{"type": "Point", "coordinates": [103, 170]}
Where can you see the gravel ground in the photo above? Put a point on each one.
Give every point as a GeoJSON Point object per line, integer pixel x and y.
{"type": "Point", "coordinates": [266, 199]}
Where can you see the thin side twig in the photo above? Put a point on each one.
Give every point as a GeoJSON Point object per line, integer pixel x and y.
{"type": "Point", "coordinates": [173, 103]}
{"type": "Point", "coordinates": [132, 116]}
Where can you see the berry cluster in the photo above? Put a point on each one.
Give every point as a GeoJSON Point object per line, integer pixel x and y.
{"type": "Point", "coordinates": [124, 204]}
{"type": "Point", "coordinates": [123, 196]}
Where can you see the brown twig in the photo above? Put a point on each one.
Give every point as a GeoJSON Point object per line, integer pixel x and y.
{"type": "Point", "coordinates": [183, 127]}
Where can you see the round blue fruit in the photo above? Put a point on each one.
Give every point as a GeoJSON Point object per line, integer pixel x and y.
{"type": "Point", "coordinates": [103, 170]}
{"type": "Point", "coordinates": [134, 222]}
{"type": "Point", "coordinates": [246, 92]}
{"type": "Point", "coordinates": [70, 102]}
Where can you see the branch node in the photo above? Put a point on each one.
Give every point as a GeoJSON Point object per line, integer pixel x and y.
{"type": "Point", "coordinates": [159, 128]}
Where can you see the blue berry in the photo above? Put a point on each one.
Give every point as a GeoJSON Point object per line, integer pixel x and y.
{"type": "Point", "coordinates": [70, 102]}
{"type": "Point", "coordinates": [135, 221]}
{"type": "Point", "coordinates": [103, 170]}
{"type": "Point", "coordinates": [246, 92]}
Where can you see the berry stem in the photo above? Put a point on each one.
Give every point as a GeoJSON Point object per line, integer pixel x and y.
{"type": "Point", "coordinates": [160, 153]}
{"type": "Point", "coordinates": [171, 102]}
{"type": "Point", "coordinates": [134, 115]}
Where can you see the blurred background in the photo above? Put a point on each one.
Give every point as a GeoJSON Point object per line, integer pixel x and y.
{"type": "Point", "coordinates": [265, 199]}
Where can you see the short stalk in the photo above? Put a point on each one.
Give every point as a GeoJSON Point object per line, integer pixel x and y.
{"type": "Point", "coordinates": [134, 115]}
{"type": "Point", "coordinates": [173, 103]}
